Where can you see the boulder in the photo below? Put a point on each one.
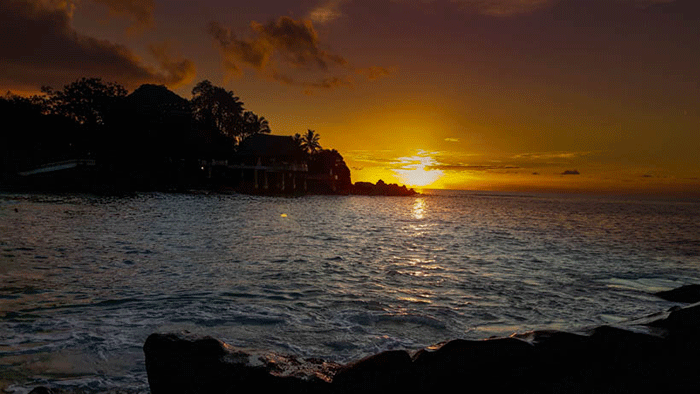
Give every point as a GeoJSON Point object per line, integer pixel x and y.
{"type": "Point", "coordinates": [181, 363]}
{"type": "Point", "coordinates": [649, 355]}
{"type": "Point", "coordinates": [501, 365]}
{"type": "Point", "coordinates": [386, 372]}
{"type": "Point", "coordinates": [680, 322]}
{"type": "Point", "coordinates": [44, 390]}
{"type": "Point", "coordinates": [688, 294]}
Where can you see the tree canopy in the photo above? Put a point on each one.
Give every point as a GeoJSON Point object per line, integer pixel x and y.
{"type": "Point", "coordinates": [216, 108]}
{"type": "Point", "coordinates": [87, 101]}
{"type": "Point", "coordinates": [309, 142]}
{"type": "Point", "coordinates": [149, 137]}
{"type": "Point", "coordinates": [220, 110]}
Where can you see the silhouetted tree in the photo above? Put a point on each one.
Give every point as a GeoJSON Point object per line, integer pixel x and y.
{"type": "Point", "coordinates": [30, 137]}
{"type": "Point", "coordinates": [329, 162]}
{"type": "Point", "coordinates": [94, 106]}
{"type": "Point", "coordinates": [88, 101]}
{"type": "Point", "coordinates": [308, 142]}
{"type": "Point", "coordinates": [215, 108]}
{"type": "Point", "coordinates": [255, 124]}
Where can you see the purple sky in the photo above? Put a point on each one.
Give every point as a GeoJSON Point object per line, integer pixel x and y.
{"type": "Point", "coordinates": [499, 94]}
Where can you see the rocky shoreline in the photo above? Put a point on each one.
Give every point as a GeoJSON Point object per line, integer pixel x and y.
{"type": "Point", "coordinates": [653, 354]}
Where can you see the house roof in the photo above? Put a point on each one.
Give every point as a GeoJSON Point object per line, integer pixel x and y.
{"type": "Point", "coordinates": [155, 96]}
{"type": "Point", "coordinates": [268, 145]}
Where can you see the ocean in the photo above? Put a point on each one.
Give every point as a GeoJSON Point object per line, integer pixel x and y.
{"type": "Point", "coordinates": [84, 279]}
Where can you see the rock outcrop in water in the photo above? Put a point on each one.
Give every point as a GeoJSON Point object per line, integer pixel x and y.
{"type": "Point", "coordinates": [381, 189]}
{"type": "Point", "coordinates": [654, 354]}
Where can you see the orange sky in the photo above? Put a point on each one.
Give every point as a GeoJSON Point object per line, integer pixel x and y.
{"type": "Point", "coordinates": [555, 95]}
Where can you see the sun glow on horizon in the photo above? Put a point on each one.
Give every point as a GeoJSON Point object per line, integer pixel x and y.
{"type": "Point", "coordinates": [416, 170]}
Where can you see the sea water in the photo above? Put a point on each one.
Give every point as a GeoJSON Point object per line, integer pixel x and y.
{"type": "Point", "coordinates": [84, 279]}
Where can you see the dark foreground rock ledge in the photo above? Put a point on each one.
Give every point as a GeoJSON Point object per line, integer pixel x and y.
{"type": "Point", "coordinates": [655, 354]}
{"type": "Point", "coordinates": [687, 293]}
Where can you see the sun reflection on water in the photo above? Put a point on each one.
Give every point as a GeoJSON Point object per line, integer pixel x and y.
{"type": "Point", "coordinates": [419, 208]}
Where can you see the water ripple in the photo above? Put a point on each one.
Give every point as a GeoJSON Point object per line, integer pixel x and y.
{"type": "Point", "coordinates": [84, 279]}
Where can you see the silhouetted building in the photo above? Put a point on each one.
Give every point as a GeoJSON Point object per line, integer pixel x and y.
{"type": "Point", "coordinates": [267, 163]}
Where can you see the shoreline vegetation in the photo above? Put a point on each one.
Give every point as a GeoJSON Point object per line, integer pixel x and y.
{"type": "Point", "coordinates": [652, 354]}
{"type": "Point", "coordinates": [93, 136]}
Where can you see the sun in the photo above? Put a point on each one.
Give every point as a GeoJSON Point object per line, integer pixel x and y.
{"type": "Point", "coordinates": [418, 170]}
{"type": "Point", "coordinates": [419, 177]}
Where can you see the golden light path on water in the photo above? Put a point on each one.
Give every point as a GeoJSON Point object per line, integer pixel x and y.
{"type": "Point", "coordinates": [419, 208]}
{"type": "Point", "coordinates": [419, 267]}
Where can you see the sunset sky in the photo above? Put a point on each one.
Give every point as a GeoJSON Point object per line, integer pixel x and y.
{"type": "Point", "coordinates": [541, 95]}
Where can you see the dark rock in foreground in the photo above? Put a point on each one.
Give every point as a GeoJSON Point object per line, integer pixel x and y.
{"type": "Point", "coordinates": [688, 294]}
{"type": "Point", "coordinates": [178, 363]}
{"type": "Point", "coordinates": [651, 355]}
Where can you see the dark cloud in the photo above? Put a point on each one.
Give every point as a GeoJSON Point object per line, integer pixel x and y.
{"type": "Point", "coordinates": [332, 82]}
{"type": "Point", "coordinates": [297, 43]}
{"type": "Point", "coordinates": [472, 167]}
{"type": "Point", "coordinates": [288, 51]}
{"type": "Point", "coordinates": [502, 7]}
{"type": "Point", "coordinates": [550, 155]}
{"type": "Point", "coordinates": [140, 11]}
{"type": "Point", "coordinates": [570, 172]}
{"type": "Point", "coordinates": [178, 71]}
{"type": "Point", "coordinates": [40, 47]}
{"type": "Point", "coordinates": [375, 72]}
{"type": "Point", "coordinates": [254, 53]}
{"type": "Point", "coordinates": [506, 8]}
{"type": "Point", "coordinates": [294, 43]}
{"type": "Point", "coordinates": [285, 79]}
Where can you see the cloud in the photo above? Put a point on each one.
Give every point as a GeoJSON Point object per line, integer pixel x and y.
{"type": "Point", "coordinates": [140, 11]}
{"type": "Point", "coordinates": [474, 167]}
{"type": "Point", "coordinates": [178, 71]}
{"type": "Point", "coordinates": [51, 52]}
{"type": "Point", "coordinates": [418, 170]}
{"type": "Point", "coordinates": [375, 72]}
{"type": "Point", "coordinates": [550, 155]}
{"type": "Point", "coordinates": [294, 42]}
{"type": "Point", "coordinates": [451, 139]}
{"type": "Point", "coordinates": [507, 8]}
{"type": "Point", "coordinates": [502, 7]}
{"type": "Point", "coordinates": [377, 157]}
{"type": "Point", "coordinates": [570, 172]}
{"type": "Point", "coordinates": [332, 82]}
{"type": "Point", "coordinates": [421, 160]}
{"type": "Point", "coordinates": [288, 51]}
{"type": "Point", "coordinates": [326, 12]}
{"type": "Point", "coordinates": [648, 3]}
{"type": "Point", "coordinates": [297, 43]}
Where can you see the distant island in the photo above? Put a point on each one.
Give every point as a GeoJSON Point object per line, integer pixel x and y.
{"type": "Point", "coordinates": [92, 135]}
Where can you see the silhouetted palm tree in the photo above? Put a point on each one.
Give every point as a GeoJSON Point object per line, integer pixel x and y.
{"type": "Point", "coordinates": [309, 141]}
{"type": "Point", "coordinates": [255, 124]}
